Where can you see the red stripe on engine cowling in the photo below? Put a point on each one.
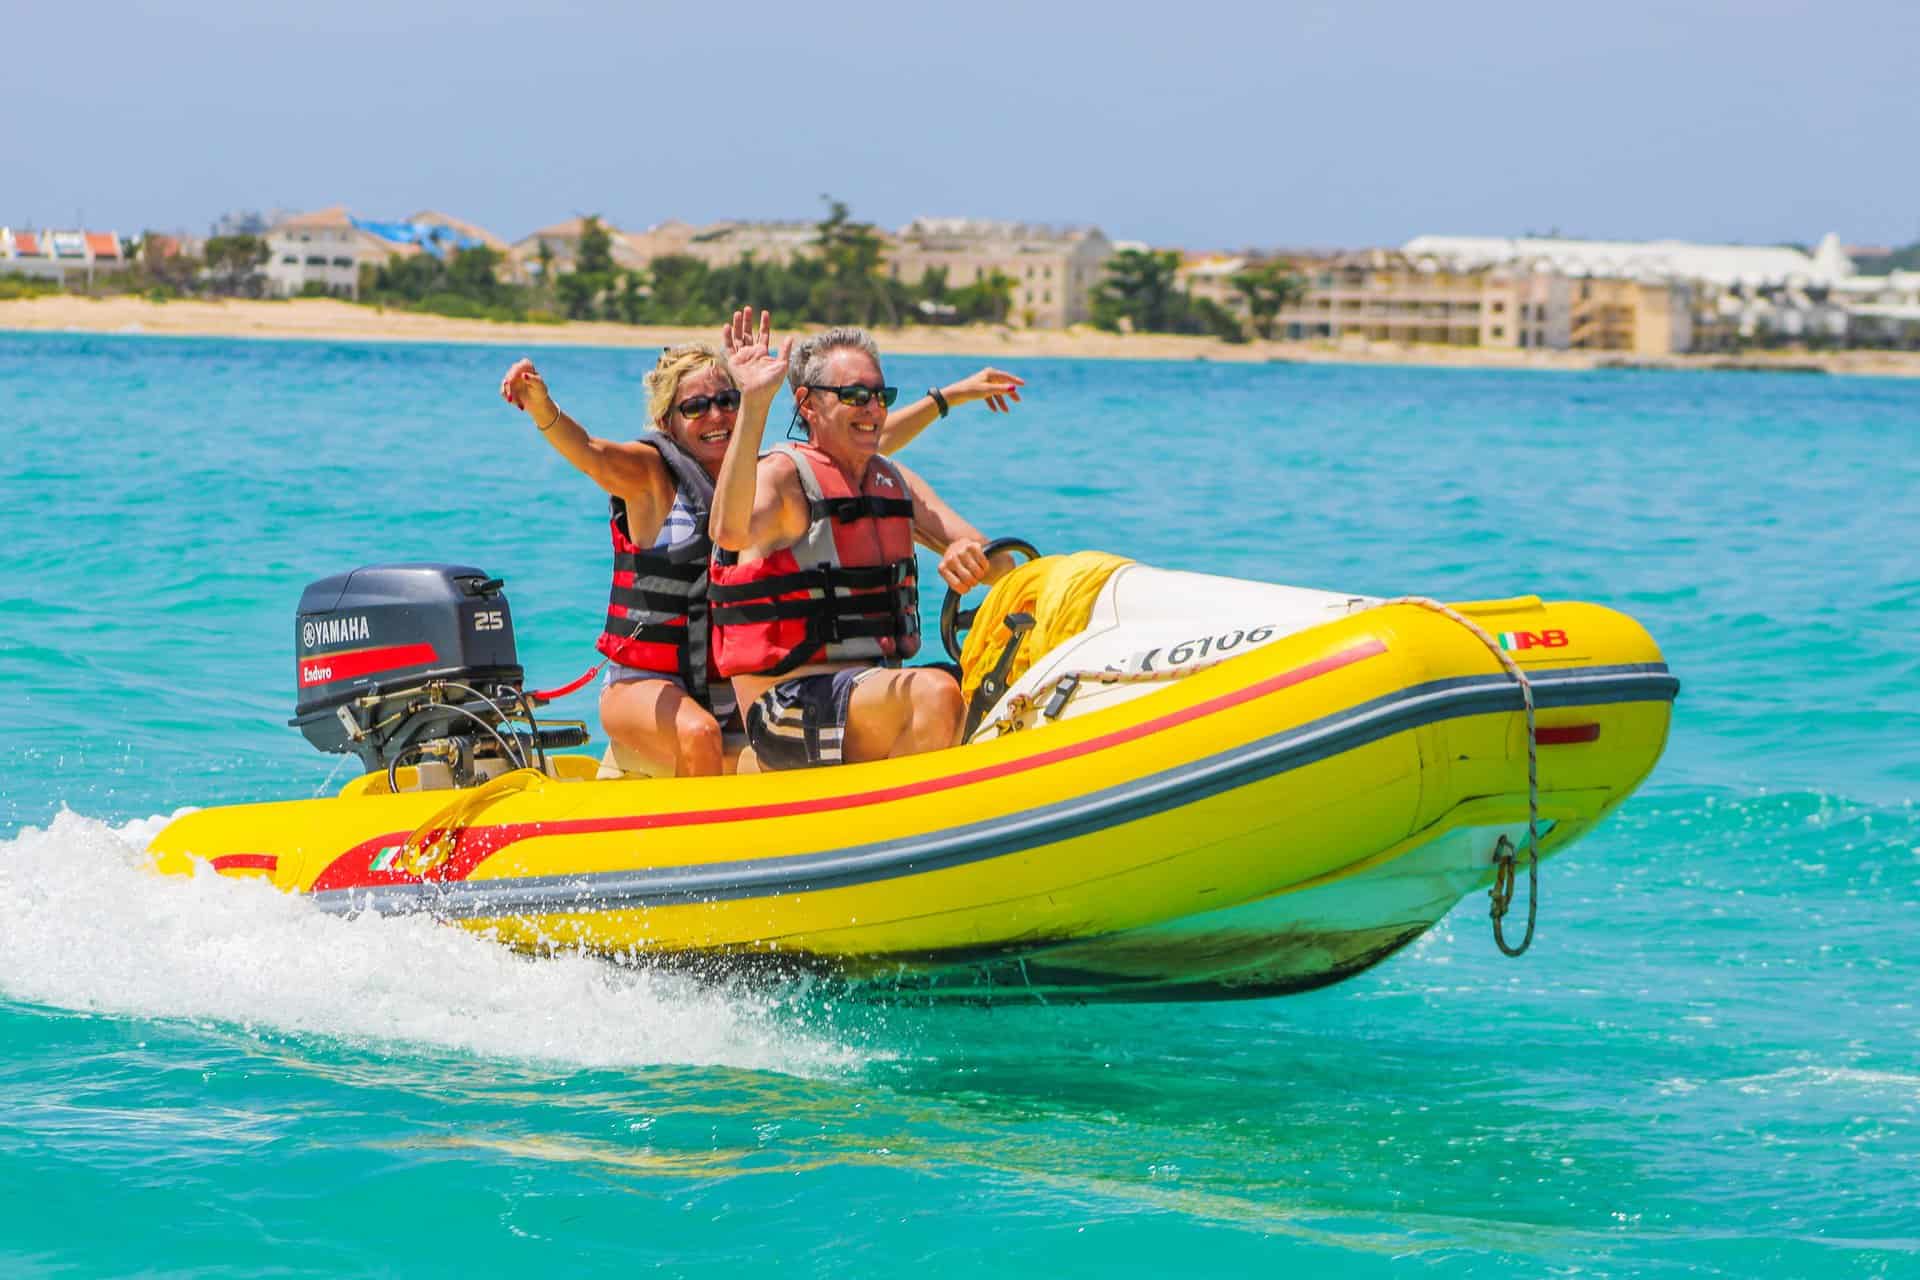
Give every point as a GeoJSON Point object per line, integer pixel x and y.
{"type": "Point", "coordinates": [326, 668]}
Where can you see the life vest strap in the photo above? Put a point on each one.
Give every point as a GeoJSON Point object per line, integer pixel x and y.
{"type": "Point", "coordinates": [879, 577]}
{"type": "Point", "coordinates": [655, 564]}
{"type": "Point", "coordinates": [641, 600]}
{"type": "Point", "coordinates": [858, 507]}
{"type": "Point", "coordinates": [647, 632]}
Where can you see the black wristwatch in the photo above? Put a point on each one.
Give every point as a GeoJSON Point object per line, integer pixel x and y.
{"type": "Point", "coordinates": [939, 401]}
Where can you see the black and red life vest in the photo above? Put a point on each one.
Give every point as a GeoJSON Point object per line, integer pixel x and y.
{"type": "Point", "coordinates": [848, 590]}
{"type": "Point", "coordinates": [657, 612]}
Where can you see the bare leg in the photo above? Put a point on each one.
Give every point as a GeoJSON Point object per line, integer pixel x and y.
{"type": "Point", "coordinates": [902, 713]}
{"type": "Point", "coordinates": [674, 735]}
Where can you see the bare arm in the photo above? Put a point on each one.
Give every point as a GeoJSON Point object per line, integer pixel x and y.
{"type": "Point", "coordinates": [752, 508]}
{"type": "Point", "coordinates": [627, 469]}
{"type": "Point", "coordinates": [938, 527]}
{"type": "Point", "coordinates": [999, 389]}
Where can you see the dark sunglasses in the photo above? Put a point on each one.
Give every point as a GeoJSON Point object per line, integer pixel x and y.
{"type": "Point", "coordinates": [697, 406]}
{"type": "Point", "coordinates": [859, 396]}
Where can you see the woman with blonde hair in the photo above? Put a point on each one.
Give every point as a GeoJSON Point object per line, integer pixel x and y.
{"type": "Point", "coordinates": [662, 704]}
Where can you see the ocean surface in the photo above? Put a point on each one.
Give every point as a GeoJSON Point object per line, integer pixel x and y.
{"type": "Point", "coordinates": [1708, 1064]}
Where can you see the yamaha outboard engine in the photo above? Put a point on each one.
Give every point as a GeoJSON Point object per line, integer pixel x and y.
{"type": "Point", "coordinates": [415, 662]}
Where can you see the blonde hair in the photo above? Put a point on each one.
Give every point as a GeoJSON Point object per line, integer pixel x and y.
{"type": "Point", "coordinates": [663, 384]}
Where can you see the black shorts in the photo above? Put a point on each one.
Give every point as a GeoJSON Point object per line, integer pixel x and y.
{"type": "Point", "coordinates": [798, 723]}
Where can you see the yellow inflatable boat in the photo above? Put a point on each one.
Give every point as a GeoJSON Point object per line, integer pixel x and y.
{"type": "Point", "coordinates": [1175, 786]}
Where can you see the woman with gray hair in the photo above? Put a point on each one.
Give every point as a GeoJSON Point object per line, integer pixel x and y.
{"type": "Point", "coordinates": [662, 703]}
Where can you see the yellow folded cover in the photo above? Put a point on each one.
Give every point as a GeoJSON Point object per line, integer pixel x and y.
{"type": "Point", "coordinates": [1059, 591]}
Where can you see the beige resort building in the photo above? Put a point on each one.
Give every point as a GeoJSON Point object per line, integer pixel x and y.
{"type": "Point", "coordinates": [1054, 271]}
{"type": "Point", "coordinates": [1388, 296]}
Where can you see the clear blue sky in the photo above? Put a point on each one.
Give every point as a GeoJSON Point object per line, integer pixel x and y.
{"type": "Point", "coordinates": [1193, 123]}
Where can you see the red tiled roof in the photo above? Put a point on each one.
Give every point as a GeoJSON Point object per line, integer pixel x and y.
{"type": "Point", "coordinates": [26, 243]}
{"type": "Point", "coordinates": [103, 244]}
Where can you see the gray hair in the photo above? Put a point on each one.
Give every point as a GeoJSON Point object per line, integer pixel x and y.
{"type": "Point", "coordinates": [809, 363]}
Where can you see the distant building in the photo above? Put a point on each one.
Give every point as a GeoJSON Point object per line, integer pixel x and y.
{"type": "Point", "coordinates": [562, 245]}
{"type": "Point", "coordinates": [1723, 265]}
{"type": "Point", "coordinates": [249, 222]}
{"type": "Point", "coordinates": [327, 249]}
{"type": "Point", "coordinates": [60, 255]}
{"type": "Point", "coordinates": [1730, 294]}
{"type": "Point", "coordinates": [1210, 276]}
{"type": "Point", "coordinates": [1378, 295]}
{"type": "Point", "coordinates": [721, 244]}
{"type": "Point", "coordinates": [1882, 311]}
{"type": "Point", "coordinates": [1054, 271]}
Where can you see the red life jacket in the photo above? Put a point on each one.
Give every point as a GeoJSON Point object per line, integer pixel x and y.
{"type": "Point", "coordinates": [657, 611]}
{"type": "Point", "coordinates": [848, 590]}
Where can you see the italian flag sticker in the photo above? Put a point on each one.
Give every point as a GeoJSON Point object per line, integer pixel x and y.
{"type": "Point", "coordinates": [383, 859]}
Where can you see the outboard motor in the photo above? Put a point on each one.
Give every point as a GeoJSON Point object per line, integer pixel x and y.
{"type": "Point", "coordinates": [415, 662]}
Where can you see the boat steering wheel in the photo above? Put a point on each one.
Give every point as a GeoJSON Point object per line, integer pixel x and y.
{"type": "Point", "coordinates": [953, 620]}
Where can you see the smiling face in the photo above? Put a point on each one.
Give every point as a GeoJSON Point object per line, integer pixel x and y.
{"type": "Point", "coordinates": [706, 436]}
{"type": "Point", "coordinates": [850, 434]}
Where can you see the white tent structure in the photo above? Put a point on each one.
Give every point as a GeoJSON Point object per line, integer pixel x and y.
{"type": "Point", "coordinates": [1725, 265]}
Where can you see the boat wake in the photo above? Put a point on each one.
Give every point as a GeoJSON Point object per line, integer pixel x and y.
{"type": "Point", "coordinates": [90, 929]}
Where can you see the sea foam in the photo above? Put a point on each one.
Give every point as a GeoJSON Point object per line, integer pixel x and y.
{"type": "Point", "coordinates": [89, 928]}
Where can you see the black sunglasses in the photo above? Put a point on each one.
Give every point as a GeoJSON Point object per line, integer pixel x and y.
{"type": "Point", "coordinates": [859, 396]}
{"type": "Point", "coordinates": [697, 406]}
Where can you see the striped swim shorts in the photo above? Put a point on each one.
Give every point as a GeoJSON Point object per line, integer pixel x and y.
{"type": "Point", "coordinates": [798, 723]}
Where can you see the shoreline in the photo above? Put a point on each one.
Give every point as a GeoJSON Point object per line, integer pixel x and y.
{"type": "Point", "coordinates": [328, 319]}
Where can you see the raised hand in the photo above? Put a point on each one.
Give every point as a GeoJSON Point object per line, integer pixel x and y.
{"type": "Point", "coordinates": [1000, 389]}
{"type": "Point", "coordinates": [758, 369]}
{"type": "Point", "coordinates": [524, 388]}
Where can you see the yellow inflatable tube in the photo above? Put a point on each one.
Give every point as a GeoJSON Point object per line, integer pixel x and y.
{"type": "Point", "coordinates": [1275, 822]}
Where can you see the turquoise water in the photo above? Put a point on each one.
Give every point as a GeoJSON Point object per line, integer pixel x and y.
{"type": "Point", "coordinates": [1710, 1061]}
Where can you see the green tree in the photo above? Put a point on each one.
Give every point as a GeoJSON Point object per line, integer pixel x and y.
{"type": "Point", "coordinates": [233, 265]}
{"type": "Point", "coordinates": [988, 300]}
{"type": "Point", "coordinates": [164, 266]}
{"type": "Point", "coordinates": [1140, 290]}
{"type": "Point", "coordinates": [409, 279]}
{"type": "Point", "coordinates": [596, 247]}
{"type": "Point", "coordinates": [472, 273]}
{"type": "Point", "coordinates": [1269, 288]}
{"type": "Point", "coordinates": [680, 287]}
{"type": "Point", "coordinates": [578, 292]}
{"type": "Point", "coordinates": [631, 302]}
{"type": "Point", "coordinates": [853, 290]}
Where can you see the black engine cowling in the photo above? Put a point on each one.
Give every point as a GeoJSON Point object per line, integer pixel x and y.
{"type": "Point", "coordinates": [411, 658]}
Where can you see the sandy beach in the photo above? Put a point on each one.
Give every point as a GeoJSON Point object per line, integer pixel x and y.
{"type": "Point", "coordinates": [328, 319]}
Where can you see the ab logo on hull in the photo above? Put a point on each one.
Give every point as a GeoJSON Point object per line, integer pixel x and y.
{"type": "Point", "coordinates": [1511, 640]}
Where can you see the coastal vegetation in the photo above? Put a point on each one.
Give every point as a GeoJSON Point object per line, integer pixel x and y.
{"type": "Point", "coordinates": [843, 281]}
{"type": "Point", "coordinates": [1142, 294]}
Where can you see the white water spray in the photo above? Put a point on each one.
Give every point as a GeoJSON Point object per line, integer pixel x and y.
{"type": "Point", "coordinates": [88, 927]}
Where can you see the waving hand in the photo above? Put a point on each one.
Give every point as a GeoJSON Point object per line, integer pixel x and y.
{"type": "Point", "coordinates": [758, 370]}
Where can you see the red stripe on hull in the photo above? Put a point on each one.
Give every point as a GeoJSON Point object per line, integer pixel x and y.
{"type": "Point", "coordinates": [245, 862]}
{"type": "Point", "coordinates": [475, 844]}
